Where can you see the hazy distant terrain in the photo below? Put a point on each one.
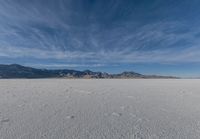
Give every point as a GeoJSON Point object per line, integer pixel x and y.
{"type": "Point", "coordinates": [15, 71]}
{"type": "Point", "coordinates": [99, 109]}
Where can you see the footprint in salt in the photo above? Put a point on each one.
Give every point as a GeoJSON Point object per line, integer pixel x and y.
{"type": "Point", "coordinates": [133, 115]}
{"type": "Point", "coordinates": [21, 105]}
{"type": "Point", "coordinates": [124, 107]}
{"type": "Point", "coordinates": [13, 95]}
{"type": "Point", "coordinates": [116, 114]}
{"type": "Point", "coordinates": [182, 92]}
{"type": "Point", "coordinates": [5, 120]}
{"type": "Point", "coordinates": [139, 120]}
{"type": "Point", "coordinates": [45, 105]}
{"type": "Point", "coordinates": [91, 93]}
{"type": "Point", "coordinates": [71, 117]}
{"type": "Point", "coordinates": [44, 136]}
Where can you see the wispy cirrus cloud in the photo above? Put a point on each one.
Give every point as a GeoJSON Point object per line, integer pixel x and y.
{"type": "Point", "coordinates": [102, 57]}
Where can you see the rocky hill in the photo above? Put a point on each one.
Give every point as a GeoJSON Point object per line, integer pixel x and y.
{"type": "Point", "coordinates": [18, 71]}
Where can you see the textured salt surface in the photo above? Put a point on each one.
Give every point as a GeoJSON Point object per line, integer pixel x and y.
{"type": "Point", "coordinates": [99, 109]}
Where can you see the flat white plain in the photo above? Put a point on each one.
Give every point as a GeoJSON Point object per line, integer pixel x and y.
{"type": "Point", "coordinates": [100, 109]}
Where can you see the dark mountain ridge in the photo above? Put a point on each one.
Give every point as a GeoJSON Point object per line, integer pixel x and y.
{"type": "Point", "coordinates": [19, 71]}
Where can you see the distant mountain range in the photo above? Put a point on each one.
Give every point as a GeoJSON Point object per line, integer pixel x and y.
{"type": "Point", "coordinates": [19, 71]}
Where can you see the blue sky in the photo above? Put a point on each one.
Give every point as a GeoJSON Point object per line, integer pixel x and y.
{"type": "Point", "coordinates": [146, 36]}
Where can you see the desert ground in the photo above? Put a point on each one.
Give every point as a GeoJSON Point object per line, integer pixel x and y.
{"type": "Point", "coordinates": [100, 109]}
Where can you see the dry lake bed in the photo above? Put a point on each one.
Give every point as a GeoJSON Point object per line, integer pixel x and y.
{"type": "Point", "coordinates": [100, 109]}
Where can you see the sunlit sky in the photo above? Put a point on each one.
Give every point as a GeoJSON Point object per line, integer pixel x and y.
{"type": "Point", "coordinates": [147, 36]}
